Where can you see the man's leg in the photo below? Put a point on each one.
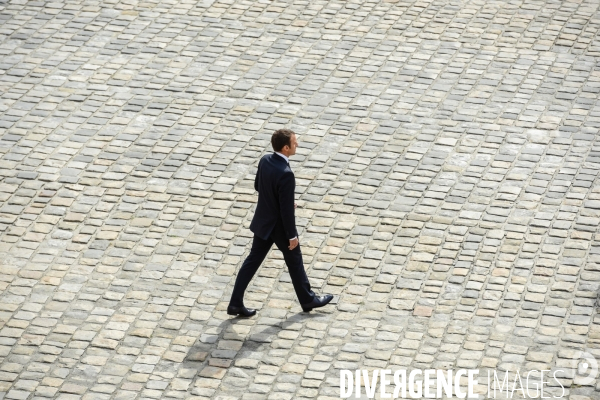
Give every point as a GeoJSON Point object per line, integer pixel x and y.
{"type": "Point", "coordinates": [258, 252]}
{"type": "Point", "coordinates": [293, 260]}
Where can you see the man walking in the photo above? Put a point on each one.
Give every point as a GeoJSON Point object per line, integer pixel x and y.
{"type": "Point", "coordinates": [274, 222]}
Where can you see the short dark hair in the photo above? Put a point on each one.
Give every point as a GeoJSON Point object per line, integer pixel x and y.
{"type": "Point", "coordinates": [280, 138]}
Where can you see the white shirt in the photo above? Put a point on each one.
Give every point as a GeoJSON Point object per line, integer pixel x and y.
{"type": "Point", "coordinates": [287, 161]}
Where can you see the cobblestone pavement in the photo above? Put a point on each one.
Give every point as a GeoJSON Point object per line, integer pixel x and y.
{"type": "Point", "coordinates": [447, 185]}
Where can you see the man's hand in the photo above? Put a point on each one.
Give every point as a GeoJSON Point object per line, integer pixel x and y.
{"type": "Point", "coordinates": [295, 205]}
{"type": "Point", "coordinates": [293, 243]}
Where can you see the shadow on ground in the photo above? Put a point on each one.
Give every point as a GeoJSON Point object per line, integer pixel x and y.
{"type": "Point", "coordinates": [236, 346]}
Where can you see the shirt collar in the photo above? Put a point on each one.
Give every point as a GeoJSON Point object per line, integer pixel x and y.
{"type": "Point", "coordinates": [284, 157]}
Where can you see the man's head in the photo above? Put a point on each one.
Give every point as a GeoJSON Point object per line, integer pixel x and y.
{"type": "Point", "coordinates": [284, 142]}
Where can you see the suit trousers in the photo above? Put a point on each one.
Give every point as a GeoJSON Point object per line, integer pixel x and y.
{"type": "Point", "coordinates": [293, 260]}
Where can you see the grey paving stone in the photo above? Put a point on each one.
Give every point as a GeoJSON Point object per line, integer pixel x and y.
{"type": "Point", "coordinates": [447, 182]}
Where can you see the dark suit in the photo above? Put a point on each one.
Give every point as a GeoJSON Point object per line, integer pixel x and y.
{"type": "Point", "coordinates": [273, 222]}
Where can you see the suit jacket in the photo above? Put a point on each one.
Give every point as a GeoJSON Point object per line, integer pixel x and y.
{"type": "Point", "coordinates": [275, 184]}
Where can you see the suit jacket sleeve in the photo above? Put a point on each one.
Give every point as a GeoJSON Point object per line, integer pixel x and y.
{"type": "Point", "coordinates": [287, 185]}
{"type": "Point", "coordinates": [256, 177]}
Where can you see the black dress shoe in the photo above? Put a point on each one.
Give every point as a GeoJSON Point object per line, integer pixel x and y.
{"type": "Point", "coordinates": [318, 301]}
{"type": "Point", "coordinates": [243, 311]}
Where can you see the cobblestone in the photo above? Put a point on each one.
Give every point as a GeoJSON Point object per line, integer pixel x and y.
{"type": "Point", "coordinates": [446, 180]}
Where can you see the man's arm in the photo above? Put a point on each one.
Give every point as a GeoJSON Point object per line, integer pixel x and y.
{"type": "Point", "coordinates": [256, 177]}
{"type": "Point", "coordinates": [287, 185]}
